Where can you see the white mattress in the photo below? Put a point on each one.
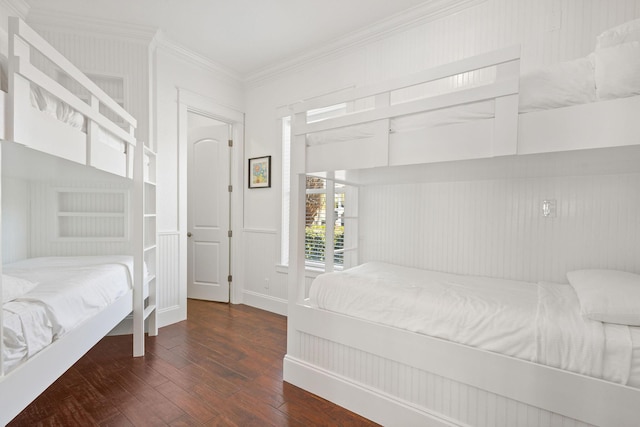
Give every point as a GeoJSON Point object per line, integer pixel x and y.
{"type": "Point", "coordinates": [514, 318]}
{"type": "Point", "coordinates": [69, 291]}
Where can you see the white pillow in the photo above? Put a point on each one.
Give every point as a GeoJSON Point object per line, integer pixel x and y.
{"type": "Point", "coordinates": [608, 295]}
{"type": "Point", "coordinates": [558, 85]}
{"type": "Point", "coordinates": [623, 33]}
{"type": "Point", "coordinates": [617, 71]}
{"type": "Point", "coordinates": [15, 287]}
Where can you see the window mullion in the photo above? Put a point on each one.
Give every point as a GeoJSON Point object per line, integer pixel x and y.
{"type": "Point", "coordinates": [330, 223]}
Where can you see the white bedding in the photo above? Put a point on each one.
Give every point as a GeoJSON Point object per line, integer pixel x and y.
{"type": "Point", "coordinates": [69, 291]}
{"type": "Point", "coordinates": [27, 330]}
{"type": "Point", "coordinates": [50, 105]}
{"type": "Point", "coordinates": [514, 318]}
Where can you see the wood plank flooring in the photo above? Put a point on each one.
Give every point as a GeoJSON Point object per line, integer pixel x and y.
{"type": "Point", "coordinates": [221, 367]}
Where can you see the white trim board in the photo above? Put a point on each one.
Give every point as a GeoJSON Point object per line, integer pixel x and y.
{"type": "Point", "coordinates": [265, 302]}
{"type": "Point", "coordinates": [359, 398]}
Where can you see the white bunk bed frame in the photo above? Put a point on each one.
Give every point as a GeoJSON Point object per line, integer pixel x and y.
{"type": "Point", "coordinates": [28, 133]}
{"type": "Point", "coordinates": [395, 377]}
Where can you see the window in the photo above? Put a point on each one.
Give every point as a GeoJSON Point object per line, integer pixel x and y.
{"type": "Point", "coordinates": [324, 219]}
{"type": "Point", "coordinates": [325, 207]}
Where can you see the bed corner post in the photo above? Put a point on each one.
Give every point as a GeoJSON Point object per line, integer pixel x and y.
{"type": "Point", "coordinates": [505, 141]}
{"type": "Point", "coordinates": [296, 279]}
{"type": "Point", "coordinates": [138, 249]}
{"type": "Point", "coordinates": [1, 284]}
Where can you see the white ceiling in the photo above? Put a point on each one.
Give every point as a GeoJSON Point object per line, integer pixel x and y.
{"type": "Point", "coordinates": [244, 36]}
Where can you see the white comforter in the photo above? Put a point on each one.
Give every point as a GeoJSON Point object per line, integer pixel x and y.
{"type": "Point", "coordinates": [535, 322]}
{"type": "Point", "coordinates": [69, 291]}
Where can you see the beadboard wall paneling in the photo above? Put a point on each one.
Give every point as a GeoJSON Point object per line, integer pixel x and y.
{"type": "Point", "coordinates": [15, 219]}
{"type": "Point", "coordinates": [43, 217]}
{"type": "Point", "coordinates": [548, 31]}
{"type": "Point", "coordinates": [168, 270]}
{"type": "Point", "coordinates": [461, 402]}
{"type": "Point", "coordinates": [496, 227]}
{"type": "Point", "coordinates": [111, 57]}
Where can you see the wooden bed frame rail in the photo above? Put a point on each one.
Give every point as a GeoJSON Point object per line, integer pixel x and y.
{"type": "Point", "coordinates": [501, 135]}
{"type": "Point", "coordinates": [82, 148]}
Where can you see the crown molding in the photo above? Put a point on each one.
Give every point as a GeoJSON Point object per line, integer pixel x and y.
{"type": "Point", "coordinates": [400, 22]}
{"type": "Point", "coordinates": [181, 52]}
{"type": "Point", "coordinates": [153, 37]}
{"type": "Point", "coordinates": [19, 8]}
{"type": "Point", "coordinates": [48, 19]}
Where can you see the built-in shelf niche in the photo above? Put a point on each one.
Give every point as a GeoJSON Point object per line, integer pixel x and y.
{"type": "Point", "coordinates": [91, 214]}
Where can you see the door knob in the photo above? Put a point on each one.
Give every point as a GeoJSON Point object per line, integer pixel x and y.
{"type": "Point", "coordinates": [188, 234]}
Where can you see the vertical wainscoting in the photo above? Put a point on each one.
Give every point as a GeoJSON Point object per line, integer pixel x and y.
{"type": "Point", "coordinates": [114, 56]}
{"type": "Point", "coordinates": [44, 239]}
{"type": "Point", "coordinates": [496, 227]}
{"type": "Point", "coordinates": [442, 396]}
{"type": "Point", "coordinates": [15, 219]}
{"type": "Point", "coordinates": [548, 31]}
{"type": "Point", "coordinates": [168, 271]}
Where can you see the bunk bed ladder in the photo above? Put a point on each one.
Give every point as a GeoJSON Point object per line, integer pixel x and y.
{"type": "Point", "coordinates": [145, 294]}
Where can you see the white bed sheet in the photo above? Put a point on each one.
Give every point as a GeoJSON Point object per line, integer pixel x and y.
{"type": "Point", "coordinates": [514, 318]}
{"type": "Point", "coordinates": [27, 330]}
{"type": "Point", "coordinates": [69, 291]}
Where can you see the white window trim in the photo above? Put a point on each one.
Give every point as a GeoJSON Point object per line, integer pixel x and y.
{"type": "Point", "coordinates": [285, 194]}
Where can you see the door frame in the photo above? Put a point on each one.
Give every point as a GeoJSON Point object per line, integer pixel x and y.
{"type": "Point", "coordinates": [192, 102]}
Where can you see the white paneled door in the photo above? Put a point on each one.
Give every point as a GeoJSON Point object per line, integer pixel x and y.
{"type": "Point", "coordinates": [208, 229]}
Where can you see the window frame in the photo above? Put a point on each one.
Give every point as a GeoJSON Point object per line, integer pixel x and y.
{"type": "Point", "coordinates": [284, 122]}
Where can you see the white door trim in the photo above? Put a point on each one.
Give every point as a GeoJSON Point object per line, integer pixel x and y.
{"type": "Point", "coordinates": [192, 102]}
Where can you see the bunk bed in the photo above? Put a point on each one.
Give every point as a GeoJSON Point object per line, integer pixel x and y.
{"type": "Point", "coordinates": [58, 124]}
{"type": "Point", "coordinates": [354, 346]}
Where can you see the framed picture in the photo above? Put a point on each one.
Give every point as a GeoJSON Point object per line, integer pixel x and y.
{"type": "Point", "coordinates": [260, 172]}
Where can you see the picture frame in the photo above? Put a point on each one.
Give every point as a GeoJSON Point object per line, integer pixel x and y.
{"type": "Point", "coordinates": [260, 172]}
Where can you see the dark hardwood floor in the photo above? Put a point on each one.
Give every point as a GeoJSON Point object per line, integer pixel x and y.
{"type": "Point", "coordinates": [221, 367]}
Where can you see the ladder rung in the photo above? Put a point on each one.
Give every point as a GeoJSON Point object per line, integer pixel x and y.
{"type": "Point", "coordinates": [148, 310]}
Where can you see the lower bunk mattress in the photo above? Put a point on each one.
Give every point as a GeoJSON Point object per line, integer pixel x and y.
{"type": "Point", "coordinates": [537, 322]}
{"type": "Point", "coordinates": [50, 296]}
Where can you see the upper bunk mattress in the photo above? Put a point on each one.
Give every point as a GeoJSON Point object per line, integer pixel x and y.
{"type": "Point", "coordinates": [536, 322]}
{"type": "Point", "coordinates": [69, 290]}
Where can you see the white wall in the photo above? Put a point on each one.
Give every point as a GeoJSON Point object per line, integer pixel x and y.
{"type": "Point", "coordinates": [548, 31]}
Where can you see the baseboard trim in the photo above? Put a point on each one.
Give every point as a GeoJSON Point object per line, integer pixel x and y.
{"type": "Point", "coordinates": [265, 302]}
